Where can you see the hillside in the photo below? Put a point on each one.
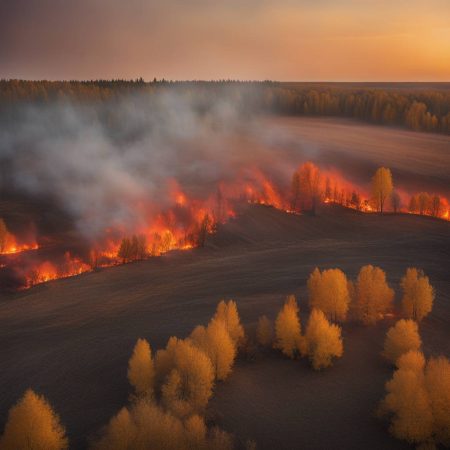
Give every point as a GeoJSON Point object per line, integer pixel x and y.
{"type": "Point", "coordinates": [71, 339]}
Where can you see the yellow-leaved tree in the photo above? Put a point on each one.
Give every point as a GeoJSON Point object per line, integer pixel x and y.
{"type": "Point", "coordinates": [147, 426]}
{"type": "Point", "coordinates": [228, 314]}
{"type": "Point", "coordinates": [322, 341]}
{"type": "Point", "coordinates": [186, 376]}
{"type": "Point", "coordinates": [407, 403]}
{"type": "Point", "coordinates": [401, 338]}
{"type": "Point", "coordinates": [328, 291]}
{"type": "Point", "coordinates": [418, 400]}
{"type": "Point", "coordinates": [216, 343]}
{"type": "Point", "coordinates": [418, 294]}
{"type": "Point", "coordinates": [32, 424]}
{"type": "Point", "coordinates": [287, 328]}
{"type": "Point", "coordinates": [141, 370]}
{"type": "Point", "coordinates": [372, 295]}
{"type": "Point", "coordinates": [309, 178]}
{"type": "Point", "coordinates": [3, 235]}
{"type": "Point", "coordinates": [437, 378]}
{"type": "Point", "coordinates": [382, 187]}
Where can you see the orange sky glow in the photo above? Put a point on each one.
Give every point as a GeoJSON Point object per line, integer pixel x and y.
{"type": "Point", "coordinates": [339, 40]}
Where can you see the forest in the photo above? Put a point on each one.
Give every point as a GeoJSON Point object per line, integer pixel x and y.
{"type": "Point", "coordinates": [413, 106]}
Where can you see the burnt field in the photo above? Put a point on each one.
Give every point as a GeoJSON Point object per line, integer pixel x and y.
{"type": "Point", "coordinates": [71, 339]}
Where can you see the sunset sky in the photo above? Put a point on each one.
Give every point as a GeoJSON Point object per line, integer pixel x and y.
{"type": "Point", "coordinates": [311, 40]}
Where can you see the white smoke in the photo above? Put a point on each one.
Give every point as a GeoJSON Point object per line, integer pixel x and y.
{"type": "Point", "coordinates": [101, 163]}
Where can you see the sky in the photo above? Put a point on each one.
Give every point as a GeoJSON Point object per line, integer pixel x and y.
{"type": "Point", "coordinates": [286, 40]}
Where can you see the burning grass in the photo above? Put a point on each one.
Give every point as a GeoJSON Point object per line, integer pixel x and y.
{"type": "Point", "coordinates": [186, 221]}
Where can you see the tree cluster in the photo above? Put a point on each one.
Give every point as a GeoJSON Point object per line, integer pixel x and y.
{"type": "Point", "coordinates": [133, 249]}
{"type": "Point", "coordinates": [426, 204]}
{"type": "Point", "coordinates": [417, 402]}
{"type": "Point", "coordinates": [145, 425]}
{"type": "Point", "coordinates": [369, 298]}
{"type": "Point", "coordinates": [173, 389]}
{"type": "Point", "coordinates": [366, 300]}
{"type": "Point", "coordinates": [321, 342]}
{"type": "Point", "coordinates": [169, 393]}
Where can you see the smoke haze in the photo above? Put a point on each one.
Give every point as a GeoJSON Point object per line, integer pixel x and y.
{"type": "Point", "coordinates": [114, 165]}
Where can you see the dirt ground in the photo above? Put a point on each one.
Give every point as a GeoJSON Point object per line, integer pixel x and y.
{"type": "Point", "coordinates": [71, 339]}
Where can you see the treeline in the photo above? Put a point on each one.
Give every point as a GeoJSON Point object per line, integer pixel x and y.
{"type": "Point", "coordinates": [416, 108]}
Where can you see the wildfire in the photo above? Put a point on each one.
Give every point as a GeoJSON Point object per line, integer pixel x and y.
{"type": "Point", "coordinates": [184, 223]}
{"type": "Point", "coordinates": [47, 271]}
{"type": "Point", "coordinates": [11, 246]}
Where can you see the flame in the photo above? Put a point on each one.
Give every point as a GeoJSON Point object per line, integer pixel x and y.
{"type": "Point", "coordinates": [47, 271]}
{"type": "Point", "coordinates": [12, 246]}
{"type": "Point", "coordinates": [185, 220]}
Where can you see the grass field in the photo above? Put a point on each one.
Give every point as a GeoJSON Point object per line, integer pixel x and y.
{"type": "Point", "coordinates": [71, 339]}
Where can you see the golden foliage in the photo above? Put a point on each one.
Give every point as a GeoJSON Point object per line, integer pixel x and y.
{"type": "Point", "coordinates": [418, 294]}
{"type": "Point", "coordinates": [382, 187]}
{"type": "Point", "coordinates": [187, 376]}
{"type": "Point", "coordinates": [147, 426]}
{"type": "Point", "coordinates": [216, 343]}
{"type": "Point", "coordinates": [264, 332]}
{"type": "Point", "coordinates": [32, 424]}
{"type": "Point", "coordinates": [373, 297]}
{"type": "Point", "coordinates": [411, 360]}
{"type": "Point", "coordinates": [141, 370]}
{"type": "Point", "coordinates": [195, 431]}
{"type": "Point", "coordinates": [401, 338]}
{"type": "Point", "coordinates": [322, 340]}
{"type": "Point", "coordinates": [228, 313]}
{"type": "Point", "coordinates": [120, 434]}
{"type": "Point", "coordinates": [408, 402]}
{"type": "Point", "coordinates": [287, 328]}
{"type": "Point", "coordinates": [418, 400]}
{"type": "Point", "coordinates": [328, 291]}
{"type": "Point", "coordinates": [437, 377]}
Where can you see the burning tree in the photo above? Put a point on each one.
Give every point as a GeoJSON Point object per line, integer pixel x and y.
{"type": "Point", "coordinates": [395, 201]}
{"type": "Point", "coordinates": [3, 235]}
{"type": "Point", "coordinates": [382, 187]}
{"type": "Point", "coordinates": [436, 206]}
{"type": "Point", "coordinates": [133, 249]}
{"type": "Point", "coordinates": [204, 228]}
{"type": "Point", "coordinates": [309, 179]}
{"type": "Point", "coordinates": [295, 191]}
